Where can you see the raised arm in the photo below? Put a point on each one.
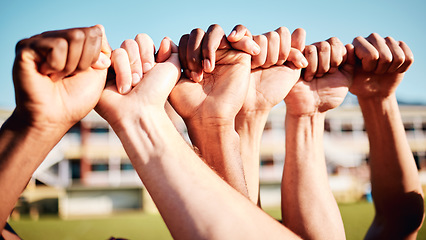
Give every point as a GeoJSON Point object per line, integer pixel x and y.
{"type": "Point", "coordinates": [396, 189]}
{"type": "Point", "coordinates": [193, 200]}
{"type": "Point", "coordinates": [58, 78]}
{"type": "Point", "coordinates": [275, 70]}
{"type": "Point", "coordinates": [308, 206]}
{"type": "Point", "coordinates": [209, 105]}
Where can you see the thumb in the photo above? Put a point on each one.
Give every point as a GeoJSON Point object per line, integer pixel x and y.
{"type": "Point", "coordinates": [104, 60]}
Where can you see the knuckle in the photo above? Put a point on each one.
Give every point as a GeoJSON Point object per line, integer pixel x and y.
{"type": "Point", "coordinates": [94, 32]}
{"type": "Point", "coordinates": [300, 30]}
{"type": "Point", "coordinates": [21, 44]}
{"type": "Point", "coordinates": [334, 41]}
{"type": "Point", "coordinates": [323, 46]}
{"type": "Point", "coordinates": [281, 30]}
{"type": "Point", "coordinates": [310, 49]}
{"type": "Point", "coordinates": [76, 35]}
{"type": "Point", "coordinates": [197, 31]}
{"type": "Point", "coordinates": [143, 37]}
{"type": "Point", "coordinates": [215, 26]}
{"type": "Point", "coordinates": [128, 43]}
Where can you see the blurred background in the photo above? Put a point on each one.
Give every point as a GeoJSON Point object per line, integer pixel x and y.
{"type": "Point", "coordinates": [87, 188]}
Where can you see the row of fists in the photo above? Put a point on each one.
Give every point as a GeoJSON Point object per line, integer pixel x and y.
{"type": "Point", "coordinates": [59, 76]}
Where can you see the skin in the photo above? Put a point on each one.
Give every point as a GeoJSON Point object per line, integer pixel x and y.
{"type": "Point", "coordinates": [275, 70]}
{"type": "Point", "coordinates": [192, 199]}
{"type": "Point", "coordinates": [209, 102]}
{"type": "Point", "coordinates": [397, 194]}
{"type": "Point", "coordinates": [308, 206]}
{"type": "Point", "coordinates": [58, 78]}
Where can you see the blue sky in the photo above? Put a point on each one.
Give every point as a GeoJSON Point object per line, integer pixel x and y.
{"type": "Point", "coordinates": [403, 20]}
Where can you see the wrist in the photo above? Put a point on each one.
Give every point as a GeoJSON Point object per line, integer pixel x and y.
{"type": "Point", "coordinates": [311, 125]}
{"type": "Point", "coordinates": [375, 102]}
{"type": "Point", "coordinates": [250, 126]}
{"type": "Point", "coordinates": [41, 131]}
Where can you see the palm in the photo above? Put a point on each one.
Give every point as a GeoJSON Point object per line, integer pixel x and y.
{"type": "Point", "coordinates": [152, 91]}
{"type": "Point", "coordinates": [268, 87]}
{"type": "Point", "coordinates": [368, 84]}
{"type": "Point", "coordinates": [318, 95]}
{"type": "Point", "coordinates": [59, 101]}
{"type": "Point", "coordinates": [220, 94]}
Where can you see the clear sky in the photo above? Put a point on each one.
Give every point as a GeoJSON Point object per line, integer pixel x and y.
{"type": "Point", "coordinates": [403, 20]}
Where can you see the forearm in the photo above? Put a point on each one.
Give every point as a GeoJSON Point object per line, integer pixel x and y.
{"type": "Point", "coordinates": [194, 202]}
{"type": "Point", "coordinates": [22, 149]}
{"type": "Point", "coordinates": [250, 128]}
{"type": "Point", "coordinates": [219, 146]}
{"type": "Point", "coordinates": [308, 206]}
{"type": "Point", "coordinates": [393, 171]}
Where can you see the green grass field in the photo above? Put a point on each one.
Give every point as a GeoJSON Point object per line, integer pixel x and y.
{"type": "Point", "coordinates": [356, 217]}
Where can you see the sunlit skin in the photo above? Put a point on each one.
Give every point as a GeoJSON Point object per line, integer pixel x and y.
{"type": "Point", "coordinates": [58, 77]}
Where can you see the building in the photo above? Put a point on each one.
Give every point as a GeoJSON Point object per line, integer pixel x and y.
{"type": "Point", "coordinates": [89, 173]}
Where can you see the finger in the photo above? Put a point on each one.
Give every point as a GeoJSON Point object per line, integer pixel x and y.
{"type": "Point", "coordinates": [260, 59]}
{"type": "Point", "coordinates": [385, 55]}
{"type": "Point", "coordinates": [132, 49]}
{"type": "Point", "coordinates": [105, 47]}
{"type": "Point", "coordinates": [183, 43]}
{"type": "Point", "coordinates": [367, 53]}
{"type": "Point", "coordinates": [238, 32]}
{"type": "Point", "coordinates": [91, 48]}
{"type": "Point", "coordinates": [76, 38]}
{"type": "Point", "coordinates": [273, 49]}
{"type": "Point", "coordinates": [121, 65]}
{"type": "Point", "coordinates": [312, 58]}
{"type": "Point", "coordinates": [409, 57]}
{"type": "Point", "coordinates": [247, 45]}
{"type": "Point", "coordinates": [52, 54]}
{"type": "Point", "coordinates": [298, 38]}
{"type": "Point", "coordinates": [213, 38]}
{"type": "Point", "coordinates": [104, 59]}
{"type": "Point", "coordinates": [337, 54]}
{"type": "Point", "coordinates": [297, 58]}
{"type": "Point", "coordinates": [194, 55]}
{"type": "Point", "coordinates": [285, 44]}
{"type": "Point", "coordinates": [165, 50]}
{"type": "Point", "coordinates": [350, 59]}
{"type": "Point", "coordinates": [324, 52]}
{"type": "Point", "coordinates": [146, 51]}
{"type": "Point", "coordinates": [398, 55]}
{"type": "Point", "coordinates": [243, 40]}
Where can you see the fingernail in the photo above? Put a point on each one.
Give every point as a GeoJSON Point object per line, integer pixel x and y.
{"type": "Point", "coordinates": [125, 89]}
{"type": "Point", "coordinates": [233, 33]}
{"type": "Point", "coordinates": [207, 65]}
{"type": "Point", "coordinates": [135, 78]}
{"type": "Point", "coordinates": [146, 67]}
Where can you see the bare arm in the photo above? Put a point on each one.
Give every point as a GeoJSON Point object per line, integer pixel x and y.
{"type": "Point", "coordinates": [209, 105]}
{"type": "Point", "coordinates": [193, 200]}
{"type": "Point", "coordinates": [396, 188]}
{"type": "Point", "coordinates": [58, 78]}
{"type": "Point", "coordinates": [275, 70]}
{"type": "Point", "coordinates": [308, 205]}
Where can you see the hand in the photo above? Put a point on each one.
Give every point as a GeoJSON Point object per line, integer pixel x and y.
{"type": "Point", "coordinates": [326, 80]}
{"type": "Point", "coordinates": [275, 69]}
{"type": "Point", "coordinates": [219, 91]}
{"type": "Point", "coordinates": [209, 104]}
{"type": "Point", "coordinates": [148, 93]}
{"type": "Point", "coordinates": [59, 76]}
{"type": "Point", "coordinates": [381, 66]}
